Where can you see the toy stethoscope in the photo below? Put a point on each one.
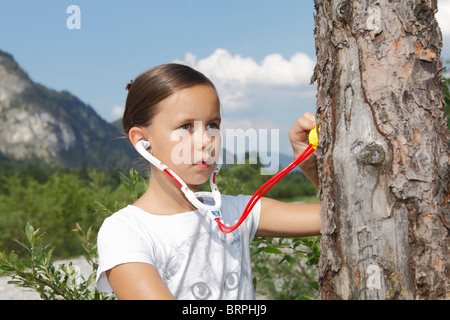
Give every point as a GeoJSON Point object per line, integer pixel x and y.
{"type": "Point", "coordinates": [213, 211]}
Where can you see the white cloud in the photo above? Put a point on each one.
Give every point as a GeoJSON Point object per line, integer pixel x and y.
{"type": "Point", "coordinates": [238, 78]}
{"type": "Point", "coordinates": [117, 111]}
{"type": "Point", "coordinates": [274, 69]}
{"type": "Point", "coordinates": [443, 16]}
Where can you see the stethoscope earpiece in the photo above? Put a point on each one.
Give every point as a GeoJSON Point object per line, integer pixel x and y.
{"type": "Point", "coordinates": [145, 144]}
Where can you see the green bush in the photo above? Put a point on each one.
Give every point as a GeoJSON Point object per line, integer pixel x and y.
{"type": "Point", "coordinates": [37, 270]}
{"type": "Point", "coordinates": [54, 200]}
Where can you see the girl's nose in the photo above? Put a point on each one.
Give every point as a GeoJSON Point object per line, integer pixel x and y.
{"type": "Point", "coordinates": [204, 136]}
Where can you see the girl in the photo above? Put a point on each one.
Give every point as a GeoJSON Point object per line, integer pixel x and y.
{"type": "Point", "coordinates": [161, 247]}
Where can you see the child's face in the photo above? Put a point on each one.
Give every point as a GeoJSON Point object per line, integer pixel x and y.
{"type": "Point", "coordinates": [184, 134]}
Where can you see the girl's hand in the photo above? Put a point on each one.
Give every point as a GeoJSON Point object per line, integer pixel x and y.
{"type": "Point", "coordinates": [298, 135]}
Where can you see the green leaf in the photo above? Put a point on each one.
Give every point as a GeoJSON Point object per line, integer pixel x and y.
{"type": "Point", "coordinates": [290, 259]}
{"type": "Point", "coordinates": [7, 269]}
{"type": "Point", "coordinates": [269, 249]}
{"type": "Point", "coordinates": [314, 284]}
{"type": "Point", "coordinates": [29, 230]}
{"type": "Point", "coordinates": [25, 246]}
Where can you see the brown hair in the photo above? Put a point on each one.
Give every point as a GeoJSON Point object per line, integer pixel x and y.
{"type": "Point", "coordinates": [153, 86]}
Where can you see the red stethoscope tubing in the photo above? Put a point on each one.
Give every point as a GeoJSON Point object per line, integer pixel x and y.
{"type": "Point", "coordinates": [264, 188]}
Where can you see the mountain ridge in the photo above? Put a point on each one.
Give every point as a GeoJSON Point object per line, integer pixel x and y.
{"type": "Point", "coordinates": [43, 126]}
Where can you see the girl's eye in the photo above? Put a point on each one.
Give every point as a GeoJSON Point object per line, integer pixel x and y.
{"type": "Point", "coordinates": [212, 126]}
{"type": "Point", "coordinates": [186, 126]}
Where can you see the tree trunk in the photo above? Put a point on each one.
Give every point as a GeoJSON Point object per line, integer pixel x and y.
{"type": "Point", "coordinates": [383, 151]}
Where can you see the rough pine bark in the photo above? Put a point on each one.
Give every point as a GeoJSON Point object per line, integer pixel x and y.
{"type": "Point", "coordinates": [383, 150]}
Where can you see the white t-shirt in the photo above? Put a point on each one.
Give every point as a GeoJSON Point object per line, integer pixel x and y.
{"type": "Point", "coordinates": [193, 257]}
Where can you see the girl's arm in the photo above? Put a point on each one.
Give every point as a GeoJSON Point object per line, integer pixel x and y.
{"type": "Point", "coordinates": [279, 219]}
{"type": "Point", "coordinates": [137, 281]}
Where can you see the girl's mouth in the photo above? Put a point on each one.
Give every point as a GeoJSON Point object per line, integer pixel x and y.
{"type": "Point", "coordinates": [204, 164]}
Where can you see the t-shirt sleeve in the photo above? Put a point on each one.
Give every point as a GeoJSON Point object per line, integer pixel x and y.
{"type": "Point", "coordinates": [118, 243]}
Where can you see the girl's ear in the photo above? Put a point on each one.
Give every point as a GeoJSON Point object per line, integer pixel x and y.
{"type": "Point", "coordinates": [135, 135]}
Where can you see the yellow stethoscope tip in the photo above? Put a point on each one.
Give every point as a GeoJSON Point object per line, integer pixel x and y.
{"type": "Point", "coordinates": [313, 138]}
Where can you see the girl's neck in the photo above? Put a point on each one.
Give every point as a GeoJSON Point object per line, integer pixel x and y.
{"type": "Point", "coordinates": [163, 197]}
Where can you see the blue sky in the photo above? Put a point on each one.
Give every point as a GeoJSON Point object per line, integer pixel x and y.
{"type": "Point", "coordinates": [120, 39]}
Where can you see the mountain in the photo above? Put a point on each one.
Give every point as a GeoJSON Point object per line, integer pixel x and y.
{"type": "Point", "coordinates": [42, 126]}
